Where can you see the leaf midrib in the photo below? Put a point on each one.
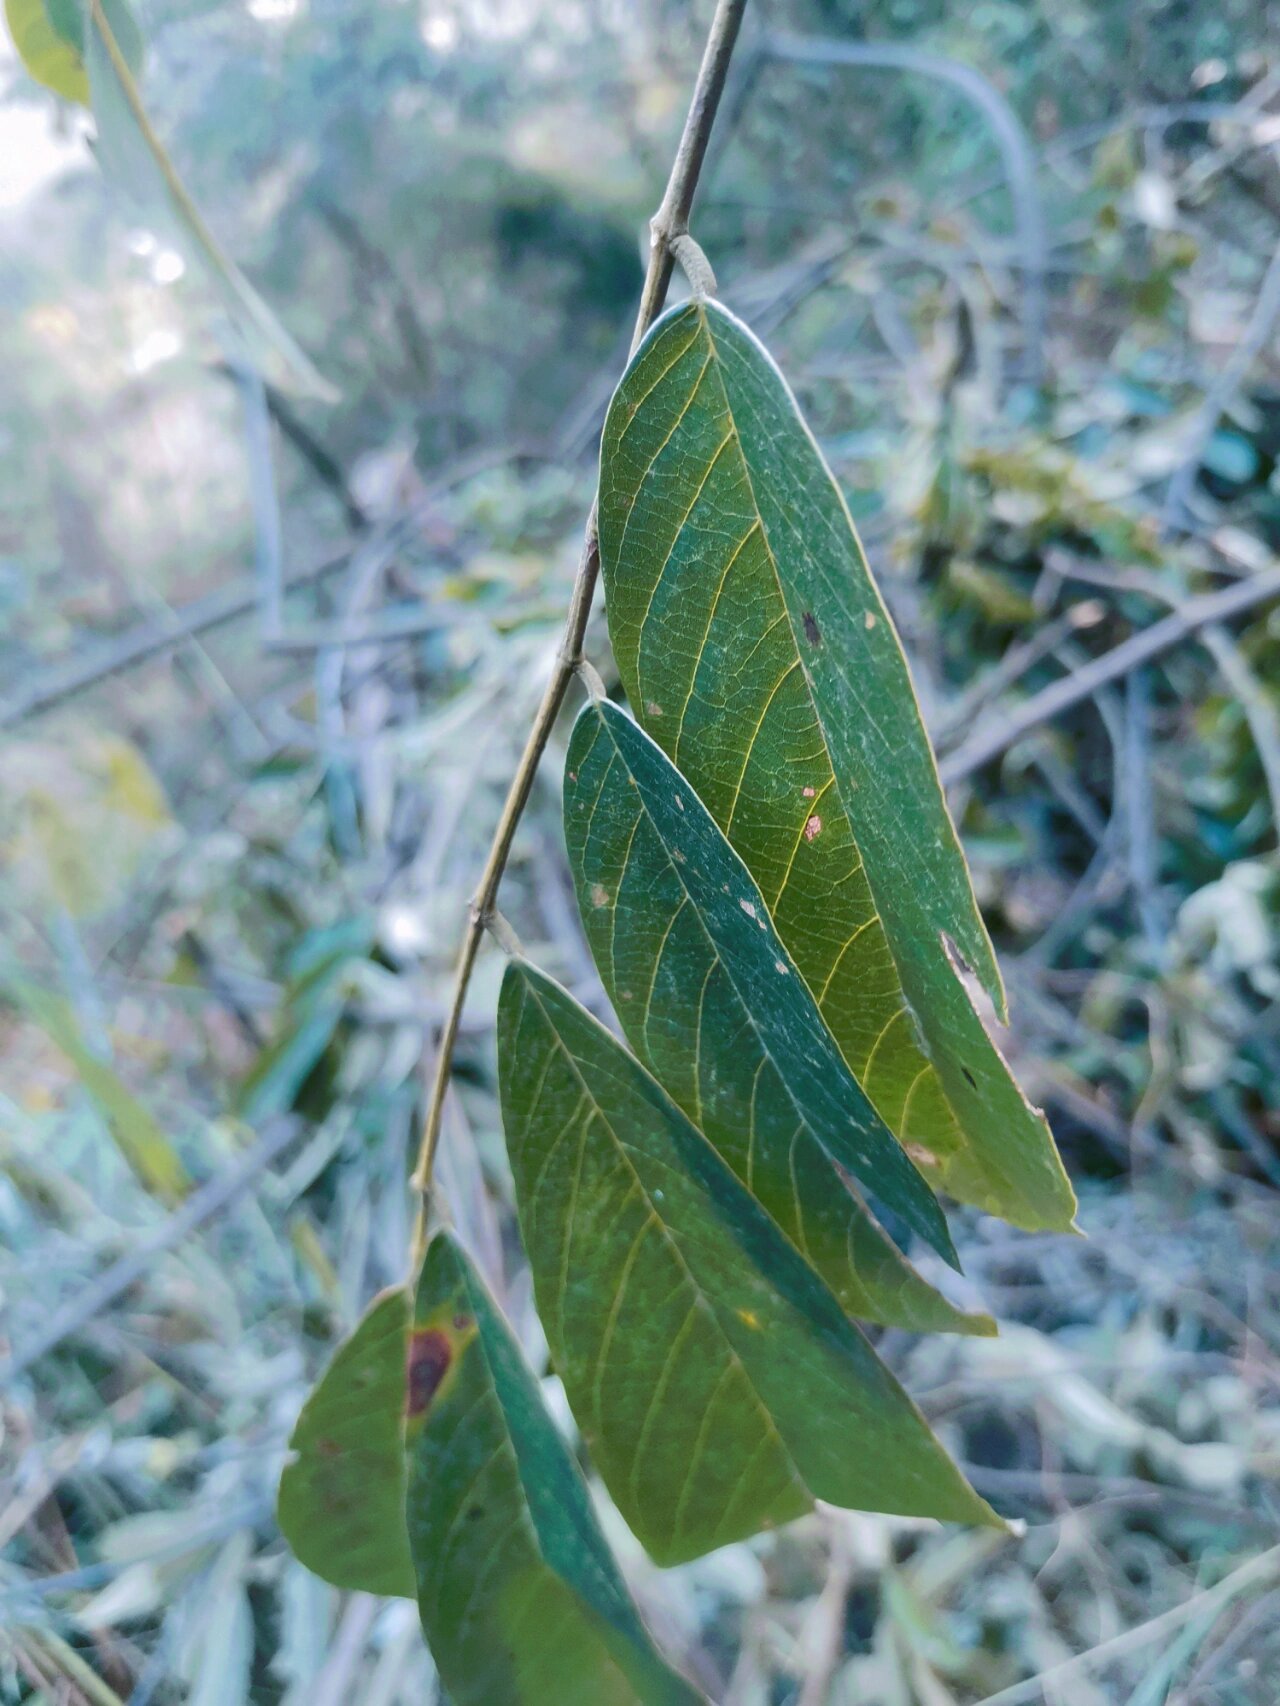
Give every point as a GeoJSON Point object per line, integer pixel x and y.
{"type": "Point", "coordinates": [996, 992]}
{"type": "Point", "coordinates": [715, 362]}
{"type": "Point", "coordinates": [718, 960]}
{"type": "Point", "coordinates": [700, 1297]}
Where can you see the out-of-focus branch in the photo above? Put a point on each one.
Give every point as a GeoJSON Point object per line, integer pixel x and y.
{"type": "Point", "coordinates": [1005, 125]}
{"type": "Point", "coordinates": [200, 1206]}
{"type": "Point", "coordinates": [1083, 683]}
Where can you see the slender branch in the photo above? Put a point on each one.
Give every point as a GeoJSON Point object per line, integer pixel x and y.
{"type": "Point", "coordinates": [1004, 123]}
{"type": "Point", "coordinates": [670, 223]}
{"type": "Point", "coordinates": [150, 639]}
{"type": "Point", "coordinates": [1085, 682]}
{"type": "Point", "coordinates": [211, 1198]}
{"type": "Point", "coordinates": [1256, 1570]}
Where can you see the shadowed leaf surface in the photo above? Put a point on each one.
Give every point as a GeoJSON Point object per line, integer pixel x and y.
{"type": "Point", "coordinates": [520, 1598]}
{"type": "Point", "coordinates": [341, 1501]}
{"type": "Point", "coordinates": [688, 956]}
{"type": "Point", "coordinates": [756, 649]}
{"type": "Point", "coordinates": [718, 1385]}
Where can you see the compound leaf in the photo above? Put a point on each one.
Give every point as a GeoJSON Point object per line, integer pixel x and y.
{"type": "Point", "coordinates": [520, 1598]}
{"type": "Point", "coordinates": [718, 1384]}
{"type": "Point", "coordinates": [756, 649]}
{"type": "Point", "coordinates": [689, 959]}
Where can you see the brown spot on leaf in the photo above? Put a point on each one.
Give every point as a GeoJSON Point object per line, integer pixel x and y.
{"type": "Point", "coordinates": [920, 1155]}
{"type": "Point", "coordinates": [430, 1354]}
{"type": "Point", "coordinates": [812, 632]}
{"type": "Point", "coordinates": [970, 1080]}
{"type": "Point", "coordinates": [869, 620]}
{"type": "Point", "coordinates": [813, 827]}
{"type": "Point", "coordinates": [748, 907]}
{"type": "Point", "coordinates": [599, 895]}
{"type": "Point", "coordinates": [808, 792]}
{"type": "Point", "coordinates": [653, 708]}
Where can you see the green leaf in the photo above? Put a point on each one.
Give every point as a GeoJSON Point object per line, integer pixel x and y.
{"type": "Point", "coordinates": [133, 156]}
{"type": "Point", "coordinates": [137, 1136]}
{"type": "Point", "coordinates": [49, 37]}
{"type": "Point", "coordinates": [341, 1504]}
{"type": "Point", "coordinates": [521, 1600]}
{"type": "Point", "coordinates": [757, 651]}
{"type": "Point", "coordinates": [311, 1010]}
{"type": "Point", "coordinates": [689, 960]}
{"type": "Point", "coordinates": [273, 1082]}
{"type": "Point", "coordinates": [718, 1384]}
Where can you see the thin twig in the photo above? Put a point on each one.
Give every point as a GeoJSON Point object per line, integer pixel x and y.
{"type": "Point", "coordinates": [268, 529]}
{"type": "Point", "coordinates": [1083, 683]}
{"type": "Point", "coordinates": [823, 1634]}
{"type": "Point", "coordinates": [296, 432]}
{"type": "Point", "coordinates": [669, 223]}
{"type": "Point", "coordinates": [335, 1683]}
{"type": "Point", "coordinates": [1256, 1569]}
{"type": "Point", "coordinates": [1006, 128]}
{"type": "Point", "coordinates": [1020, 657]}
{"type": "Point", "coordinates": [1256, 706]}
{"type": "Point", "coordinates": [150, 639]}
{"type": "Point", "coordinates": [1232, 373]}
{"type": "Point", "coordinates": [200, 1206]}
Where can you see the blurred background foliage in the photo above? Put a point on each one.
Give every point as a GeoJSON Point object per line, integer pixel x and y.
{"type": "Point", "coordinates": [265, 664]}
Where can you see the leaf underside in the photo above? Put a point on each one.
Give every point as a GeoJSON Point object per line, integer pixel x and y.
{"type": "Point", "coordinates": [688, 958]}
{"type": "Point", "coordinates": [521, 1601]}
{"type": "Point", "coordinates": [719, 1387]}
{"type": "Point", "coordinates": [757, 651]}
{"type": "Point", "coordinates": [341, 1500]}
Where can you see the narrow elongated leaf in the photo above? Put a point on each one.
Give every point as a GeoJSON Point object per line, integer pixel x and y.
{"type": "Point", "coordinates": [139, 1138]}
{"type": "Point", "coordinates": [689, 959]}
{"type": "Point", "coordinates": [718, 1384]}
{"type": "Point", "coordinates": [341, 1501]}
{"type": "Point", "coordinates": [520, 1598]}
{"type": "Point", "coordinates": [756, 649]}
